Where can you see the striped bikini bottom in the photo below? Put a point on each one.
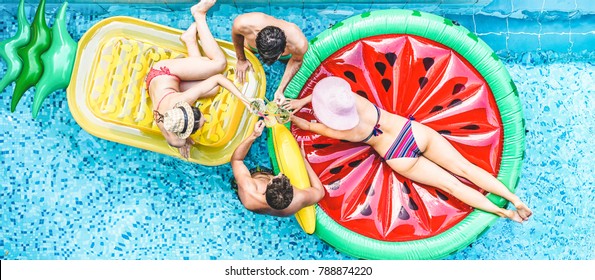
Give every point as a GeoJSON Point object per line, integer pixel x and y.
{"type": "Point", "coordinates": [404, 145]}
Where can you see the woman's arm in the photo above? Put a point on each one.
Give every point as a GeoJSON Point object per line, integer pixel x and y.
{"type": "Point", "coordinates": [173, 140]}
{"type": "Point", "coordinates": [318, 128]}
{"type": "Point", "coordinates": [205, 87]}
{"type": "Point", "coordinates": [294, 105]}
{"type": "Point", "coordinates": [231, 87]}
{"type": "Point", "coordinates": [183, 145]}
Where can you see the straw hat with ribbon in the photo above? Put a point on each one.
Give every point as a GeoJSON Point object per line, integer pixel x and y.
{"type": "Point", "coordinates": [179, 120]}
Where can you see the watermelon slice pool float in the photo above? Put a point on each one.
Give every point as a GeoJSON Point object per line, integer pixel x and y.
{"type": "Point", "coordinates": [412, 64]}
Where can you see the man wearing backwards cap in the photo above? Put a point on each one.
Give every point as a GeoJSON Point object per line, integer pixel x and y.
{"type": "Point", "coordinates": [410, 148]}
{"type": "Point", "coordinates": [264, 193]}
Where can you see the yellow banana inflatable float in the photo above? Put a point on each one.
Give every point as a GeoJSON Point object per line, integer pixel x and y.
{"type": "Point", "coordinates": [291, 163]}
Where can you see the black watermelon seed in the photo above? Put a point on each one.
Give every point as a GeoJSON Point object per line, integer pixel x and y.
{"type": "Point", "coordinates": [471, 127]}
{"type": "Point", "coordinates": [422, 82]}
{"type": "Point", "coordinates": [355, 163]}
{"type": "Point", "coordinates": [391, 58]}
{"type": "Point", "coordinates": [381, 67]}
{"type": "Point", "coordinates": [362, 94]}
{"type": "Point", "coordinates": [441, 195]}
{"type": "Point", "coordinates": [336, 169]}
{"type": "Point", "coordinates": [444, 132]}
{"type": "Point", "coordinates": [455, 103]}
{"type": "Point", "coordinates": [350, 75]}
{"type": "Point", "coordinates": [367, 211]}
{"type": "Point", "coordinates": [386, 83]}
{"type": "Point", "coordinates": [436, 109]}
{"type": "Point", "coordinates": [412, 205]}
{"type": "Point", "coordinates": [428, 62]}
{"type": "Point", "coordinates": [405, 188]}
{"type": "Point", "coordinates": [403, 215]}
{"type": "Point", "coordinates": [320, 146]}
{"type": "Point", "coordinates": [458, 88]}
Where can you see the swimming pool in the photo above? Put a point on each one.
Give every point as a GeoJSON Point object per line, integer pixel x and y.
{"type": "Point", "coordinates": [69, 195]}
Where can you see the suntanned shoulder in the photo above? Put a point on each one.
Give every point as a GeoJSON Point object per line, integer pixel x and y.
{"type": "Point", "coordinates": [294, 28]}
{"type": "Point", "coordinates": [245, 21]}
{"type": "Point", "coordinates": [247, 194]}
{"type": "Point", "coordinates": [251, 205]}
{"type": "Point", "coordinates": [241, 23]}
{"type": "Point", "coordinates": [296, 37]}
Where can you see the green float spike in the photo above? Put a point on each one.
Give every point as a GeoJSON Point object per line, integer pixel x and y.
{"type": "Point", "coordinates": [31, 55]}
{"type": "Point", "coordinates": [58, 61]}
{"type": "Point", "coordinates": [8, 48]}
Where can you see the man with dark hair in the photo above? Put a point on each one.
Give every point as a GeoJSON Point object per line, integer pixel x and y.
{"type": "Point", "coordinates": [262, 192]}
{"type": "Point", "coordinates": [273, 39]}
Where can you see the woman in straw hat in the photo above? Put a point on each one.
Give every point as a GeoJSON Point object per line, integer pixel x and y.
{"type": "Point", "coordinates": [174, 84]}
{"type": "Point", "coordinates": [410, 148]}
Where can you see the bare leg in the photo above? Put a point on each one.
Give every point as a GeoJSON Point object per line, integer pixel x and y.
{"type": "Point", "coordinates": [189, 38]}
{"type": "Point", "coordinates": [426, 172]}
{"type": "Point", "coordinates": [194, 67]}
{"type": "Point", "coordinates": [437, 149]}
{"type": "Point", "coordinates": [208, 42]}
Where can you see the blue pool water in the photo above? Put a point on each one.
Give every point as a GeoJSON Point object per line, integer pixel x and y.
{"type": "Point", "coordinates": [65, 194]}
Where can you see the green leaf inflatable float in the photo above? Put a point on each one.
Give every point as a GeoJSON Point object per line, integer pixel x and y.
{"type": "Point", "coordinates": [31, 55]}
{"type": "Point", "coordinates": [8, 48]}
{"type": "Point", "coordinates": [57, 62]}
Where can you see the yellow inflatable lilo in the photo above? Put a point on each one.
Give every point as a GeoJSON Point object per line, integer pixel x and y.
{"type": "Point", "coordinates": [108, 98]}
{"type": "Point", "coordinates": [291, 163]}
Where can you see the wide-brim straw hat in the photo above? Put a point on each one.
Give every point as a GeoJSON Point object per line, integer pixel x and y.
{"type": "Point", "coordinates": [333, 103]}
{"type": "Point", "coordinates": [179, 120]}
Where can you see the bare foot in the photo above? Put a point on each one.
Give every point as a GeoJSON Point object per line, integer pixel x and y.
{"type": "Point", "coordinates": [202, 7]}
{"type": "Point", "coordinates": [523, 211]}
{"type": "Point", "coordinates": [189, 36]}
{"type": "Point", "coordinates": [513, 215]}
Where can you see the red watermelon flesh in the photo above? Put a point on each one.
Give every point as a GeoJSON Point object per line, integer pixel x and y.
{"type": "Point", "coordinates": [409, 76]}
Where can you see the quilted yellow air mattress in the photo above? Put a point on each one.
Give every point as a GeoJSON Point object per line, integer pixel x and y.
{"type": "Point", "coordinates": [108, 98]}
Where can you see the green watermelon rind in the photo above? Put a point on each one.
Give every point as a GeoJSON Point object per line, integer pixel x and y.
{"type": "Point", "coordinates": [486, 62]}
